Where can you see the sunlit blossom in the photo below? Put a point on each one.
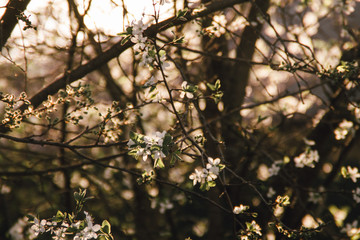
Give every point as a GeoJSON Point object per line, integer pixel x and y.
{"type": "Point", "coordinates": [275, 168]}
{"type": "Point", "coordinates": [351, 229]}
{"type": "Point", "coordinates": [353, 173]}
{"type": "Point", "coordinates": [240, 209]}
{"type": "Point", "coordinates": [356, 195]}
{"type": "Point", "coordinates": [38, 226]}
{"type": "Point", "coordinates": [185, 91]}
{"type": "Point", "coordinates": [307, 159]}
{"type": "Point", "coordinates": [343, 130]}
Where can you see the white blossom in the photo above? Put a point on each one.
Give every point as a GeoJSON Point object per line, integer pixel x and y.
{"type": "Point", "coordinates": [90, 231]}
{"type": "Point", "coordinates": [351, 229]}
{"type": "Point", "coordinates": [165, 205]}
{"type": "Point", "coordinates": [143, 152]}
{"type": "Point", "coordinates": [38, 226]}
{"type": "Point", "coordinates": [271, 192]}
{"type": "Point", "coordinates": [185, 91]}
{"type": "Point", "coordinates": [307, 159]}
{"type": "Point", "coordinates": [198, 176]}
{"type": "Point", "coordinates": [213, 165]}
{"type": "Point", "coordinates": [16, 232]}
{"type": "Point", "coordinates": [343, 130]}
{"type": "Point", "coordinates": [60, 233]}
{"type": "Point", "coordinates": [255, 228]}
{"type": "Point", "coordinates": [218, 25]}
{"type": "Point", "coordinates": [356, 195]}
{"type": "Point", "coordinates": [353, 173]}
{"type": "Point", "coordinates": [240, 209]}
{"type": "Point", "coordinates": [275, 168]}
{"type": "Point", "coordinates": [159, 154]}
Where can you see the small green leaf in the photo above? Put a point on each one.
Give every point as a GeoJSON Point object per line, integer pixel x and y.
{"type": "Point", "coordinates": [211, 86]}
{"type": "Point", "coordinates": [344, 172]}
{"type": "Point", "coordinates": [59, 214]}
{"type": "Point", "coordinates": [217, 85]}
{"type": "Point", "coordinates": [125, 40]}
{"type": "Point", "coordinates": [106, 227]}
{"type": "Point", "coordinates": [159, 163]}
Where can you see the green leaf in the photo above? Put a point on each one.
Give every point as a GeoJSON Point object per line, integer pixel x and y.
{"type": "Point", "coordinates": [217, 85]}
{"type": "Point", "coordinates": [344, 172]}
{"type": "Point", "coordinates": [125, 40]}
{"type": "Point", "coordinates": [211, 86]}
{"type": "Point", "coordinates": [159, 163]}
{"type": "Point", "coordinates": [181, 13]}
{"type": "Point", "coordinates": [59, 214]}
{"type": "Point", "coordinates": [106, 227]}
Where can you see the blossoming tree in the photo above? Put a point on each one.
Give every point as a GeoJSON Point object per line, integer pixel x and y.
{"type": "Point", "coordinates": [179, 119]}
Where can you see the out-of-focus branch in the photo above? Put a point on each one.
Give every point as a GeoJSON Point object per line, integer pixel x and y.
{"type": "Point", "coordinates": [119, 48]}
{"type": "Point", "coordinates": [10, 19]}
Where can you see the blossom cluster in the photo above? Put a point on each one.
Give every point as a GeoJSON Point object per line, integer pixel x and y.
{"type": "Point", "coordinates": [144, 47]}
{"type": "Point", "coordinates": [345, 127]}
{"type": "Point", "coordinates": [350, 172]}
{"type": "Point", "coordinates": [275, 168]}
{"type": "Point", "coordinates": [240, 209]}
{"type": "Point", "coordinates": [352, 230]}
{"type": "Point", "coordinates": [217, 27]}
{"type": "Point", "coordinates": [207, 176]}
{"type": "Point", "coordinates": [80, 230]}
{"type": "Point", "coordinates": [309, 157]}
{"type": "Point", "coordinates": [187, 90]}
{"type": "Point", "coordinates": [145, 147]}
{"type": "Point", "coordinates": [253, 231]}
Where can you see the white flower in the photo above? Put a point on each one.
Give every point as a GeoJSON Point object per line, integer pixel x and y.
{"type": "Point", "coordinates": [159, 137]}
{"type": "Point", "coordinates": [218, 25]}
{"type": "Point", "coordinates": [197, 176]}
{"type": "Point", "coordinates": [270, 193]}
{"type": "Point", "coordinates": [210, 176]}
{"type": "Point", "coordinates": [275, 168]}
{"type": "Point", "coordinates": [353, 173]}
{"type": "Point", "coordinates": [240, 209]}
{"type": "Point", "coordinates": [146, 58]}
{"type": "Point", "coordinates": [60, 233]}
{"type": "Point", "coordinates": [343, 130]}
{"type": "Point", "coordinates": [143, 153]}
{"type": "Point", "coordinates": [307, 159]}
{"type": "Point", "coordinates": [351, 229]}
{"type": "Point", "coordinates": [356, 195]}
{"type": "Point", "coordinates": [163, 206]}
{"type": "Point", "coordinates": [309, 142]}
{"type": "Point", "coordinates": [254, 227]}
{"type": "Point", "coordinates": [91, 229]}
{"type": "Point", "coordinates": [159, 154]}
{"type": "Point", "coordinates": [185, 91]}
{"type": "Point", "coordinates": [131, 143]}
{"type": "Point", "coordinates": [138, 28]}
{"type": "Point", "coordinates": [38, 226]}
{"type": "Point", "coordinates": [213, 166]}
{"type": "Point", "coordinates": [16, 232]}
